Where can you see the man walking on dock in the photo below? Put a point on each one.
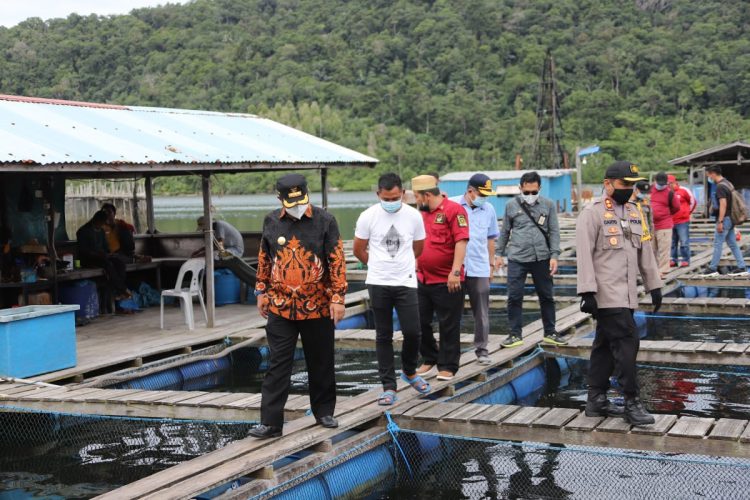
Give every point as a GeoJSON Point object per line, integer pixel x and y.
{"type": "Point", "coordinates": [480, 257]}
{"type": "Point", "coordinates": [395, 234]}
{"type": "Point", "coordinates": [440, 277]}
{"type": "Point", "coordinates": [530, 240]}
{"type": "Point", "coordinates": [681, 219]}
{"type": "Point", "coordinates": [611, 247]}
{"type": "Point", "coordinates": [300, 289]}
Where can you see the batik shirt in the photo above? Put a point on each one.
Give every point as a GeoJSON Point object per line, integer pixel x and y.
{"type": "Point", "coordinates": [301, 264]}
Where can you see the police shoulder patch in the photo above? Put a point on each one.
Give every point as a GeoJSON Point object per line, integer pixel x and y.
{"type": "Point", "coordinates": [461, 218]}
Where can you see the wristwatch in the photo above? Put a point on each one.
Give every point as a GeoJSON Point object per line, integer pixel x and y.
{"type": "Point", "coordinates": [456, 273]}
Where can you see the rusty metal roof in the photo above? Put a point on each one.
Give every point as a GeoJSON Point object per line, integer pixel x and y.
{"type": "Point", "coordinates": [49, 134]}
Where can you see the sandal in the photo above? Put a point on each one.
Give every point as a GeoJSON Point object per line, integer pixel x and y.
{"type": "Point", "coordinates": [418, 383]}
{"type": "Point", "coordinates": [387, 398]}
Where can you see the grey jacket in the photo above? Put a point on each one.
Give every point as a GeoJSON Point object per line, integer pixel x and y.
{"type": "Point", "coordinates": [520, 240]}
{"type": "Point", "coordinates": [608, 260]}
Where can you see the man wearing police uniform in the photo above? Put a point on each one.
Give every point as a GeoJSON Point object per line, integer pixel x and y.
{"type": "Point", "coordinates": [611, 247]}
{"type": "Point", "coordinates": [300, 288]}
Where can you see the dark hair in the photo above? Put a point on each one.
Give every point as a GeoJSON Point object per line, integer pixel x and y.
{"type": "Point", "coordinates": [109, 206]}
{"type": "Point", "coordinates": [434, 191]}
{"type": "Point", "coordinates": [99, 217]}
{"type": "Point", "coordinates": [716, 169]}
{"type": "Point", "coordinates": [530, 178]}
{"type": "Point", "coordinates": [389, 181]}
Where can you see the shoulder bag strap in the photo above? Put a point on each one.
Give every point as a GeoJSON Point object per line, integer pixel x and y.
{"type": "Point", "coordinates": [526, 209]}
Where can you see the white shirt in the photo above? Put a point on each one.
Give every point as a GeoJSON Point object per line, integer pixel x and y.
{"type": "Point", "coordinates": [391, 253]}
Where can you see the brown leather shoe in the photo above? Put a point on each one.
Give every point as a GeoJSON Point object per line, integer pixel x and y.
{"type": "Point", "coordinates": [427, 371]}
{"type": "Point", "coordinates": [445, 375]}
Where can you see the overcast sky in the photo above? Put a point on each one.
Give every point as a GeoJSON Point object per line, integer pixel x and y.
{"type": "Point", "coordinates": [13, 12]}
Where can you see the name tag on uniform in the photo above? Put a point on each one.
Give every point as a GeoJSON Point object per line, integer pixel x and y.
{"type": "Point", "coordinates": [542, 218]}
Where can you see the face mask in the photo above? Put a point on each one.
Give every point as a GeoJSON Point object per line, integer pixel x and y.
{"type": "Point", "coordinates": [660, 187]}
{"type": "Point", "coordinates": [530, 199]}
{"type": "Point", "coordinates": [710, 180]}
{"type": "Point", "coordinates": [390, 206]}
{"type": "Point", "coordinates": [297, 211]}
{"type": "Point", "coordinates": [479, 201]}
{"type": "Point", "coordinates": [641, 196]}
{"type": "Point", "coordinates": [621, 196]}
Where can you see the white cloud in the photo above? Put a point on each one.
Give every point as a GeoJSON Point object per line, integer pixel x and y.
{"type": "Point", "coordinates": [13, 12]}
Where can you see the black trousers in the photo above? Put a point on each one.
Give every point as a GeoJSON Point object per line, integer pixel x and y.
{"type": "Point", "coordinates": [317, 342]}
{"type": "Point", "coordinates": [517, 272]}
{"type": "Point", "coordinates": [383, 299]}
{"type": "Point", "coordinates": [449, 306]}
{"type": "Point", "coordinates": [114, 270]}
{"type": "Point", "coordinates": [615, 346]}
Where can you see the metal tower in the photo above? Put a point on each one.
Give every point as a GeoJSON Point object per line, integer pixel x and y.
{"type": "Point", "coordinates": [547, 152]}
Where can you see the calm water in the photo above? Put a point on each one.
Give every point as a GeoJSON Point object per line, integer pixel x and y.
{"type": "Point", "coordinates": [246, 212]}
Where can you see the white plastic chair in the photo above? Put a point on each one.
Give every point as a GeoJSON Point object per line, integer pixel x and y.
{"type": "Point", "coordinates": [185, 295]}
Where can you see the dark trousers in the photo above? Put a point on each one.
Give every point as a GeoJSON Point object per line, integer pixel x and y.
{"type": "Point", "coordinates": [479, 299]}
{"type": "Point", "coordinates": [383, 299]}
{"type": "Point", "coordinates": [449, 307]}
{"type": "Point", "coordinates": [615, 346]}
{"type": "Point", "coordinates": [317, 341]}
{"type": "Point", "coordinates": [114, 270]}
{"type": "Point", "coordinates": [517, 272]}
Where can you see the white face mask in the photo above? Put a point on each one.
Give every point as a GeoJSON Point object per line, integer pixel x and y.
{"type": "Point", "coordinates": [297, 211]}
{"type": "Point", "coordinates": [530, 199]}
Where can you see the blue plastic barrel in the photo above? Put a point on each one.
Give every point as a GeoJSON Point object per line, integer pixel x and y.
{"type": "Point", "coordinates": [83, 293]}
{"type": "Point", "coordinates": [529, 382]}
{"type": "Point", "coordinates": [205, 367]}
{"type": "Point", "coordinates": [503, 395]}
{"type": "Point", "coordinates": [349, 478]}
{"type": "Point", "coordinates": [226, 287]}
{"type": "Point", "coordinates": [356, 322]}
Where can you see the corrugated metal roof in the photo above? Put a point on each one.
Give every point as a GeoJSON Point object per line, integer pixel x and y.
{"type": "Point", "coordinates": [53, 132]}
{"type": "Point", "coordinates": [498, 175]}
{"type": "Point", "coordinates": [731, 152]}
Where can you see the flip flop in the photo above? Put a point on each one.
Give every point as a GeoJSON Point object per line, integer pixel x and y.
{"type": "Point", "coordinates": [418, 383]}
{"type": "Point", "coordinates": [387, 398]}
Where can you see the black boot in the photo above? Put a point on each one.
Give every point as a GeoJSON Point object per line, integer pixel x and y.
{"type": "Point", "coordinates": [636, 414]}
{"type": "Point", "coordinates": [600, 406]}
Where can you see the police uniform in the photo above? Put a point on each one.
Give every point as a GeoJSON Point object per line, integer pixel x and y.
{"type": "Point", "coordinates": [613, 245]}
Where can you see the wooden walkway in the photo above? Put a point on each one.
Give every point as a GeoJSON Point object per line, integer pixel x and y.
{"type": "Point", "coordinates": [670, 433]}
{"type": "Point", "coordinates": [670, 351]}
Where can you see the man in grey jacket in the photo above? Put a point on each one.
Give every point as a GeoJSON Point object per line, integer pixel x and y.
{"type": "Point", "coordinates": [530, 239]}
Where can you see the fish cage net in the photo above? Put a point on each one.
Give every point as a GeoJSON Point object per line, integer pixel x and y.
{"type": "Point", "coordinates": [420, 465]}
{"type": "Point", "coordinates": [83, 455]}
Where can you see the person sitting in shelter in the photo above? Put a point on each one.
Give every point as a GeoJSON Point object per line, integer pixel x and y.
{"type": "Point", "coordinates": [119, 234]}
{"type": "Point", "coordinates": [227, 239]}
{"type": "Point", "coordinates": [93, 251]}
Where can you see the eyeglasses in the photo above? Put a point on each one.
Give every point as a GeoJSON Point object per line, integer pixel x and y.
{"type": "Point", "coordinates": [530, 192]}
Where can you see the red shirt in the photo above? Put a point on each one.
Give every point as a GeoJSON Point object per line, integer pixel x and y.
{"type": "Point", "coordinates": [687, 205]}
{"type": "Point", "coordinates": [444, 227]}
{"type": "Point", "coordinates": [661, 209]}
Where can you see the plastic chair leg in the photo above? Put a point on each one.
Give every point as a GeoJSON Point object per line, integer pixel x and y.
{"type": "Point", "coordinates": [203, 305]}
{"type": "Point", "coordinates": [162, 311]}
{"type": "Point", "coordinates": [188, 303]}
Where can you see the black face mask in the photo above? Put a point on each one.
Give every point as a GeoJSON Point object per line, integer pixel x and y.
{"type": "Point", "coordinates": [621, 196]}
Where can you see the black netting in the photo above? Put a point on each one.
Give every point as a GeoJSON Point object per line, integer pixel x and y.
{"type": "Point", "coordinates": [78, 456]}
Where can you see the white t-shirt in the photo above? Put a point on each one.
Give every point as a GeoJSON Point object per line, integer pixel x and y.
{"type": "Point", "coordinates": [391, 260]}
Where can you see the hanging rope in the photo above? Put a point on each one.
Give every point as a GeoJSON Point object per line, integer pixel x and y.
{"type": "Point", "coordinates": [394, 429]}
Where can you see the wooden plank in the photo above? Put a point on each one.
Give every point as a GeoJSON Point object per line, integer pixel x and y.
{"type": "Point", "coordinates": [152, 396]}
{"type": "Point", "coordinates": [583, 423]}
{"type": "Point", "coordinates": [686, 346]}
{"type": "Point", "coordinates": [659, 345]}
{"type": "Point", "coordinates": [735, 348]}
{"type": "Point", "coordinates": [204, 398]}
{"type": "Point", "coordinates": [556, 418]}
{"type": "Point", "coordinates": [728, 428]}
{"type": "Point", "coordinates": [249, 401]}
{"type": "Point", "coordinates": [525, 416]}
{"type": "Point", "coordinates": [662, 424]}
{"type": "Point", "coordinates": [745, 437]}
{"type": "Point", "coordinates": [438, 411]}
{"type": "Point", "coordinates": [713, 347]}
{"type": "Point", "coordinates": [108, 395]}
{"type": "Point", "coordinates": [228, 398]}
{"type": "Point", "coordinates": [419, 408]}
{"type": "Point", "coordinates": [692, 427]}
{"type": "Point", "coordinates": [612, 424]}
{"type": "Point", "coordinates": [182, 396]}
{"type": "Point", "coordinates": [494, 414]}
{"type": "Point", "coordinates": [465, 412]}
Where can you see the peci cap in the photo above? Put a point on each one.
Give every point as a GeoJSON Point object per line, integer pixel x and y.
{"type": "Point", "coordinates": [661, 178]}
{"type": "Point", "coordinates": [424, 183]}
{"type": "Point", "coordinates": [624, 170]}
{"type": "Point", "coordinates": [482, 183]}
{"type": "Point", "coordinates": [292, 189]}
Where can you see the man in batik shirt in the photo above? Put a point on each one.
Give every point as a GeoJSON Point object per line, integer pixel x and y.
{"type": "Point", "coordinates": [300, 290]}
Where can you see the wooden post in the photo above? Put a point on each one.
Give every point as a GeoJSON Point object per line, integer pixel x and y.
{"type": "Point", "coordinates": [150, 226]}
{"type": "Point", "coordinates": [324, 186]}
{"type": "Point", "coordinates": [208, 240]}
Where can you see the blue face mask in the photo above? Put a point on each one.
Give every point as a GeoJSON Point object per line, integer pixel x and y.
{"type": "Point", "coordinates": [710, 180]}
{"type": "Point", "coordinates": [479, 201]}
{"type": "Point", "coordinates": [641, 196]}
{"type": "Point", "coordinates": [660, 187]}
{"type": "Point", "coordinates": [390, 206]}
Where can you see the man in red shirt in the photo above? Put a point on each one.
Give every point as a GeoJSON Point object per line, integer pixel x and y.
{"type": "Point", "coordinates": [440, 276]}
{"type": "Point", "coordinates": [681, 220]}
{"type": "Point", "coordinates": [664, 204]}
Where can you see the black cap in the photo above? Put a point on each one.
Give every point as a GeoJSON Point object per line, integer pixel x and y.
{"type": "Point", "coordinates": [661, 178]}
{"type": "Point", "coordinates": [623, 170]}
{"type": "Point", "coordinates": [292, 189]}
{"type": "Point", "coordinates": [643, 186]}
{"type": "Point", "coordinates": [482, 183]}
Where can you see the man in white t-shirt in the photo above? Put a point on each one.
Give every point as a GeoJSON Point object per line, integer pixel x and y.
{"type": "Point", "coordinates": [395, 235]}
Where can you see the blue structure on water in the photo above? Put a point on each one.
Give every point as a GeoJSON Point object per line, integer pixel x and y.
{"type": "Point", "coordinates": [556, 185]}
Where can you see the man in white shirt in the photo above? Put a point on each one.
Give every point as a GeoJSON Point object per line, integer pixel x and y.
{"type": "Point", "coordinates": [395, 234]}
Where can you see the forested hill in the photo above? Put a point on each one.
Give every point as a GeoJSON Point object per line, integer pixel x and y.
{"type": "Point", "coordinates": [422, 85]}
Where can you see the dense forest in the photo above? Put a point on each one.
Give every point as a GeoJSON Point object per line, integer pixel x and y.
{"type": "Point", "coordinates": [421, 84]}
